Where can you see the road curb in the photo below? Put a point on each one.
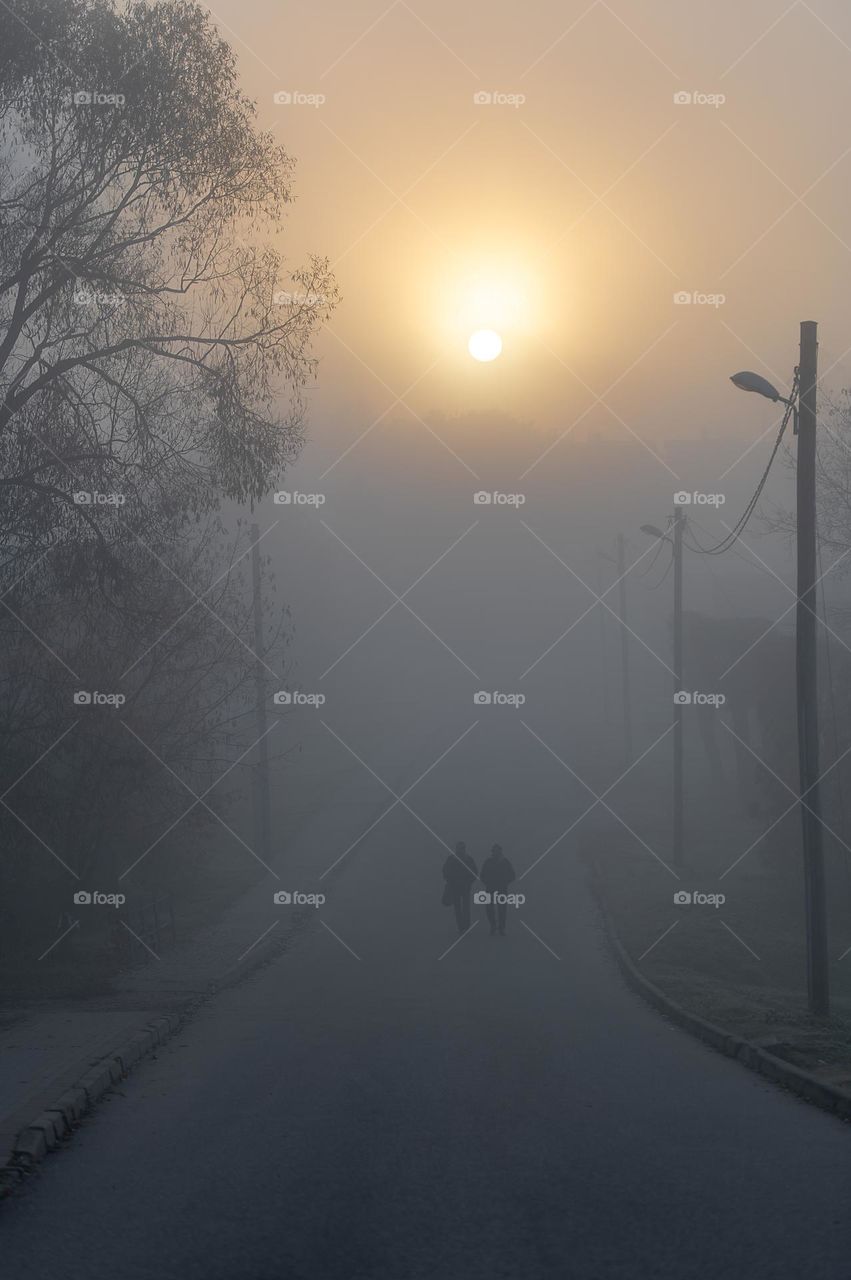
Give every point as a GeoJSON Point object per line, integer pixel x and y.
{"type": "Point", "coordinates": [807, 1086]}
{"type": "Point", "coordinates": [57, 1122]}
{"type": "Point", "coordinates": [47, 1130]}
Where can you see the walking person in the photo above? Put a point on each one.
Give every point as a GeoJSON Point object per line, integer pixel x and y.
{"type": "Point", "coordinates": [459, 872]}
{"type": "Point", "coordinates": [497, 874]}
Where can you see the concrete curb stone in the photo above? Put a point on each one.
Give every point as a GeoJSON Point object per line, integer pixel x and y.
{"type": "Point", "coordinates": [819, 1092]}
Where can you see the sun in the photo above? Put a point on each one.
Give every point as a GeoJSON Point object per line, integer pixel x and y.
{"type": "Point", "coordinates": [485, 344]}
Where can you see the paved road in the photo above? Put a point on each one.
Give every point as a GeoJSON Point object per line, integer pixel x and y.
{"type": "Point", "coordinates": [502, 1111]}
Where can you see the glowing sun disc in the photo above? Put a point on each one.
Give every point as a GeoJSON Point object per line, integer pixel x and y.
{"type": "Point", "coordinates": [485, 344]}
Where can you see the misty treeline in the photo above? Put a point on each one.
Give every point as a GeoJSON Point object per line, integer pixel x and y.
{"type": "Point", "coordinates": [150, 374]}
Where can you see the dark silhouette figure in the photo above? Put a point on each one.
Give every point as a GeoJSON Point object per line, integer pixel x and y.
{"type": "Point", "coordinates": [459, 872]}
{"type": "Point", "coordinates": [497, 874]}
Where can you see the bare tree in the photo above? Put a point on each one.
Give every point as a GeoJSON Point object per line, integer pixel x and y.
{"type": "Point", "coordinates": [148, 329]}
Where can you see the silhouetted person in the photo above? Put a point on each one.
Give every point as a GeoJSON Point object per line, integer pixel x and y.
{"type": "Point", "coordinates": [497, 874]}
{"type": "Point", "coordinates": [459, 872]}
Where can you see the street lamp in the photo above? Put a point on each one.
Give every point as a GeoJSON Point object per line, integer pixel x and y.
{"type": "Point", "coordinates": [803, 404]}
{"type": "Point", "coordinates": [748, 381]}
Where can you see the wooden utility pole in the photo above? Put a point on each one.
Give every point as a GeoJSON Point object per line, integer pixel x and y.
{"type": "Point", "coordinates": [625, 689]}
{"type": "Point", "coordinates": [677, 540]}
{"type": "Point", "coordinates": [818, 985]}
{"type": "Point", "coordinates": [604, 657]}
{"type": "Point", "coordinates": [262, 810]}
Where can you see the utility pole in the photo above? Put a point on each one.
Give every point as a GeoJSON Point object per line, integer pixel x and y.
{"type": "Point", "coordinates": [807, 678]}
{"type": "Point", "coordinates": [262, 811]}
{"type": "Point", "coordinates": [677, 542]}
{"type": "Point", "coordinates": [625, 689]}
{"type": "Point", "coordinates": [604, 657]}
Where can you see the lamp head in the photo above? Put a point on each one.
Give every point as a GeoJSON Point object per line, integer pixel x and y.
{"type": "Point", "coordinates": [747, 381]}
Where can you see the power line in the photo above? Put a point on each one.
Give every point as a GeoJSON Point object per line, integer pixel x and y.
{"type": "Point", "coordinates": [736, 532]}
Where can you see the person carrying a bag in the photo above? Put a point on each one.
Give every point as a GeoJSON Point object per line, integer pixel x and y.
{"type": "Point", "coordinates": [459, 873]}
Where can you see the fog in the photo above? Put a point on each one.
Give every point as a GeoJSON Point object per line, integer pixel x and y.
{"type": "Point", "coordinates": [425, 697]}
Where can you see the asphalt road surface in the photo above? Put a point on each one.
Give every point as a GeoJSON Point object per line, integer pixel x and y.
{"type": "Point", "coordinates": [371, 1107]}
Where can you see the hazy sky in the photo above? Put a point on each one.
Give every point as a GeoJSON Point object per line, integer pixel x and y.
{"type": "Point", "coordinates": [569, 221]}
